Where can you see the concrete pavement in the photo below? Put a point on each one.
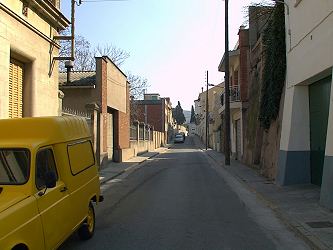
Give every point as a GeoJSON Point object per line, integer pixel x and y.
{"type": "Point", "coordinates": [178, 200]}
{"type": "Point", "coordinates": [297, 206]}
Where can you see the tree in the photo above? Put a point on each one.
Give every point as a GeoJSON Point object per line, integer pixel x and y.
{"type": "Point", "coordinates": [84, 60]}
{"type": "Point", "coordinates": [192, 120]}
{"type": "Point", "coordinates": [137, 85]}
{"type": "Point", "coordinates": [178, 114]}
{"type": "Point", "coordinates": [117, 55]}
{"type": "Point", "coordinates": [84, 56]}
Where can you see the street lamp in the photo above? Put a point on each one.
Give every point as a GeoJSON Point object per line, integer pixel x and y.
{"type": "Point", "coordinates": [207, 111]}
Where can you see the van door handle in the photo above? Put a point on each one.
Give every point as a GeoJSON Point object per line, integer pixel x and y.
{"type": "Point", "coordinates": [64, 189]}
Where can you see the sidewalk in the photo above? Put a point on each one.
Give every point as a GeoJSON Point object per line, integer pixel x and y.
{"type": "Point", "coordinates": [297, 205]}
{"type": "Point", "coordinates": [113, 169]}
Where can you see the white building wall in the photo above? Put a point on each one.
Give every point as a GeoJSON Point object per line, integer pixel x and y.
{"type": "Point", "coordinates": [309, 59]}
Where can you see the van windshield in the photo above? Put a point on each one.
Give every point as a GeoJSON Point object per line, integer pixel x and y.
{"type": "Point", "coordinates": [14, 166]}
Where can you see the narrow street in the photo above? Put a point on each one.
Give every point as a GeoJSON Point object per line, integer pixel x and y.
{"type": "Point", "coordinates": [179, 200]}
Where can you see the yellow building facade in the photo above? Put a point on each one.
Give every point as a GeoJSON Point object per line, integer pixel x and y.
{"type": "Point", "coordinates": [28, 71]}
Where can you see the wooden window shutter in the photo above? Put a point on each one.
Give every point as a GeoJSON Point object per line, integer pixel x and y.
{"type": "Point", "coordinates": [15, 89]}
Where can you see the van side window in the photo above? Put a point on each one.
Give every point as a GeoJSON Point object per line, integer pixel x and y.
{"type": "Point", "coordinates": [44, 163]}
{"type": "Point", "coordinates": [81, 156]}
{"type": "Point", "coordinates": [14, 166]}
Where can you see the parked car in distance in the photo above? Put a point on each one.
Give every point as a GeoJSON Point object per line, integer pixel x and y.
{"type": "Point", "coordinates": [48, 182]}
{"type": "Point", "coordinates": [179, 138]}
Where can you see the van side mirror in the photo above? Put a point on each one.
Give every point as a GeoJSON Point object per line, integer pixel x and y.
{"type": "Point", "coordinates": [50, 179]}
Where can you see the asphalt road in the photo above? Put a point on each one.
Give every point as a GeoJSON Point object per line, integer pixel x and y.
{"type": "Point", "coordinates": [179, 200]}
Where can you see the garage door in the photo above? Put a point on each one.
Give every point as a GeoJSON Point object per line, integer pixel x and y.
{"type": "Point", "coordinates": [319, 98]}
{"type": "Point", "coordinates": [16, 71]}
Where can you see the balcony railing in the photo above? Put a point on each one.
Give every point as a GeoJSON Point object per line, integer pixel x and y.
{"type": "Point", "coordinates": [234, 95]}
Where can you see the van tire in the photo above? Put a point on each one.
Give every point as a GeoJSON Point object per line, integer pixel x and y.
{"type": "Point", "coordinates": [87, 229]}
{"type": "Point", "coordinates": [20, 247]}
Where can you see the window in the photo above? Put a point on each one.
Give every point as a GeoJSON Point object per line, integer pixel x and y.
{"type": "Point", "coordinates": [81, 156]}
{"type": "Point", "coordinates": [14, 166]}
{"type": "Point", "coordinates": [44, 164]}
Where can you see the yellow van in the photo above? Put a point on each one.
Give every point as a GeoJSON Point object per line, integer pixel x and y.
{"type": "Point", "coordinates": [48, 182]}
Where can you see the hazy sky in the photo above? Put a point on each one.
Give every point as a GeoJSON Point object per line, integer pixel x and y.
{"type": "Point", "coordinates": [171, 42]}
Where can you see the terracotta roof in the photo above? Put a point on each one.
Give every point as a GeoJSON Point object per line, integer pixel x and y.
{"type": "Point", "coordinates": [78, 78]}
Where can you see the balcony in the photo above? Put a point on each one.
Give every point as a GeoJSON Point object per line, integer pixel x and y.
{"type": "Point", "coordinates": [235, 101]}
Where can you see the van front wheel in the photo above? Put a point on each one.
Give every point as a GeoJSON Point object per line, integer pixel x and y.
{"type": "Point", "coordinates": [86, 230]}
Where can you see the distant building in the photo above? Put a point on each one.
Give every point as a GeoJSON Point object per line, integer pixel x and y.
{"type": "Point", "coordinates": [157, 112]}
{"type": "Point", "coordinates": [215, 121]}
{"type": "Point", "coordinates": [28, 85]}
{"type": "Point", "coordinates": [200, 114]}
{"type": "Point", "coordinates": [192, 128]}
{"type": "Point", "coordinates": [214, 118]}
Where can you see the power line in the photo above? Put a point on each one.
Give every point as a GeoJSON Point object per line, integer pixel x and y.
{"type": "Point", "coordinates": [96, 1]}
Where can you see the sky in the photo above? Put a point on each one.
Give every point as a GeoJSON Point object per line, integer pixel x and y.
{"type": "Point", "coordinates": [172, 43]}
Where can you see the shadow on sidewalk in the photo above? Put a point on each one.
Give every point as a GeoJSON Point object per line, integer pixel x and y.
{"type": "Point", "coordinates": [111, 169]}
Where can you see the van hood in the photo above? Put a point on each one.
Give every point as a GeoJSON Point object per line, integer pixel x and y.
{"type": "Point", "coordinates": [8, 199]}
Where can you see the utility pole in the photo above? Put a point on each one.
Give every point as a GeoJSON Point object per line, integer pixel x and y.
{"type": "Point", "coordinates": [73, 29]}
{"type": "Point", "coordinates": [207, 111]}
{"type": "Point", "coordinates": [227, 90]}
{"type": "Point", "coordinates": [69, 60]}
{"type": "Point", "coordinates": [70, 64]}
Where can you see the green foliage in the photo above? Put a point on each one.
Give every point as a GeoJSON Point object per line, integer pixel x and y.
{"type": "Point", "coordinates": [192, 115]}
{"type": "Point", "coordinates": [178, 114]}
{"type": "Point", "coordinates": [274, 67]}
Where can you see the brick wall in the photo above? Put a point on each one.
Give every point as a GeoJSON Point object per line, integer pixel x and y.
{"type": "Point", "coordinates": [154, 115]}
{"type": "Point", "coordinates": [243, 63]}
{"type": "Point", "coordinates": [140, 112]}
{"type": "Point", "coordinates": [104, 103]}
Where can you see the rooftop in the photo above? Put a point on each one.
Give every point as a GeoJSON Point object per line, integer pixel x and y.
{"type": "Point", "coordinates": [78, 79]}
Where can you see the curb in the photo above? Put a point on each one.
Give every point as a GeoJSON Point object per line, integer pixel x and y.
{"type": "Point", "coordinates": [106, 179]}
{"type": "Point", "coordinates": [297, 228]}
